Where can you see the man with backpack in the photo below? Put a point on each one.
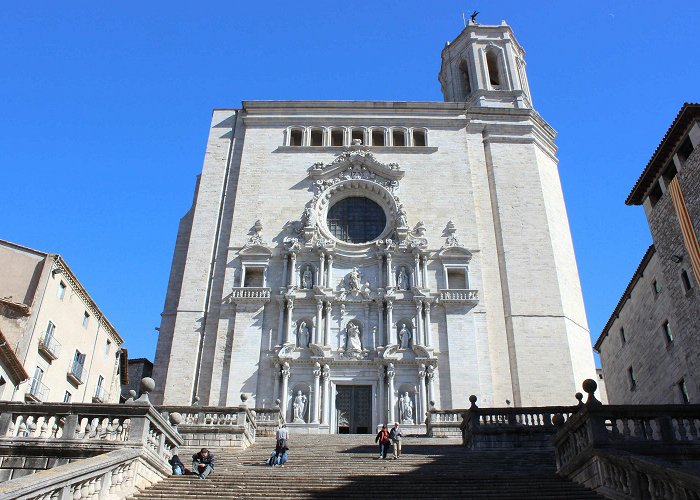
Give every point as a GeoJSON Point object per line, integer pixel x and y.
{"type": "Point", "coordinates": [281, 446]}
{"type": "Point", "coordinates": [395, 435]}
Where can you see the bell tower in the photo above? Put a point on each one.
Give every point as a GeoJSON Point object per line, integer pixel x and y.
{"type": "Point", "coordinates": [485, 66]}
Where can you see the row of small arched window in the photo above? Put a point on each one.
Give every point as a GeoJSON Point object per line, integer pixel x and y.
{"type": "Point", "coordinates": [346, 136]}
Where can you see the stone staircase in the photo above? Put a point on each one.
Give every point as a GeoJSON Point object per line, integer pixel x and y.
{"type": "Point", "coordinates": [346, 466]}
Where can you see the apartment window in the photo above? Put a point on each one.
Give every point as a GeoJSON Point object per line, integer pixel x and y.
{"type": "Point", "coordinates": [61, 290]}
{"type": "Point", "coordinates": [76, 368]}
{"type": "Point", "coordinates": [86, 319]}
{"type": "Point", "coordinates": [67, 397]}
{"type": "Point", "coordinates": [685, 281]}
{"type": "Point", "coordinates": [623, 336]}
{"type": "Point", "coordinates": [50, 328]}
{"type": "Point", "coordinates": [683, 388]}
{"type": "Point", "coordinates": [656, 288]}
{"type": "Point", "coordinates": [337, 137]}
{"type": "Point", "coordinates": [296, 137]}
{"type": "Point", "coordinates": [667, 332]}
{"type": "Point", "coordinates": [633, 379]}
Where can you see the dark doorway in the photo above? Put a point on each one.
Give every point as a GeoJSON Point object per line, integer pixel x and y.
{"type": "Point", "coordinates": [353, 406]}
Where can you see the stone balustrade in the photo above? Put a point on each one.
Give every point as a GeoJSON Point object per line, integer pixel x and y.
{"type": "Point", "coordinates": [629, 452]}
{"type": "Point", "coordinates": [250, 295]}
{"type": "Point", "coordinates": [445, 423]}
{"type": "Point", "coordinates": [267, 420]}
{"type": "Point", "coordinates": [459, 296]}
{"type": "Point", "coordinates": [214, 426]}
{"type": "Point", "coordinates": [510, 427]}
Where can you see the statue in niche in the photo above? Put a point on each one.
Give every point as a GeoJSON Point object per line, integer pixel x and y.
{"type": "Point", "coordinates": [307, 278]}
{"type": "Point", "coordinates": [402, 220]}
{"type": "Point", "coordinates": [406, 409]}
{"type": "Point", "coordinates": [303, 334]}
{"type": "Point", "coordinates": [355, 280]}
{"type": "Point", "coordinates": [402, 279]}
{"type": "Point", "coordinates": [404, 337]}
{"type": "Point", "coordinates": [353, 342]}
{"type": "Point", "coordinates": [299, 406]}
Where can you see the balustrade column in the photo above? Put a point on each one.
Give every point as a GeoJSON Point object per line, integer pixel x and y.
{"type": "Point", "coordinates": [380, 308]}
{"type": "Point", "coordinates": [326, 412]}
{"type": "Point", "coordinates": [390, 322]}
{"type": "Point", "coordinates": [390, 373]}
{"type": "Point", "coordinates": [381, 393]}
{"type": "Point", "coordinates": [421, 394]}
{"type": "Point", "coordinates": [294, 269]}
{"type": "Point", "coordinates": [288, 326]}
{"type": "Point", "coordinates": [329, 272]}
{"type": "Point", "coordinates": [380, 271]}
{"type": "Point", "coordinates": [327, 333]}
{"type": "Point", "coordinates": [429, 374]}
{"type": "Point", "coordinates": [317, 390]}
{"type": "Point", "coordinates": [321, 268]}
{"type": "Point", "coordinates": [416, 270]}
{"type": "Point", "coordinates": [283, 393]}
{"type": "Point", "coordinates": [280, 326]}
{"type": "Point", "coordinates": [424, 269]}
{"type": "Point", "coordinates": [428, 340]}
{"type": "Point", "coordinates": [418, 339]}
{"type": "Point", "coordinates": [389, 271]}
{"type": "Point", "coordinates": [319, 322]}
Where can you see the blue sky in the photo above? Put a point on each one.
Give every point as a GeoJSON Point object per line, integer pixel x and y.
{"type": "Point", "coordinates": [105, 109]}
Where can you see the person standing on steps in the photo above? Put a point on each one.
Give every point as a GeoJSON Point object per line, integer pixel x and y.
{"type": "Point", "coordinates": [203, 463]}
{"type": "Point", "coordinates": [384, 441]}
{"type": "Point", "coordinates": [395, 435]}
{"type": "Point", "coordinates": [282, 445]}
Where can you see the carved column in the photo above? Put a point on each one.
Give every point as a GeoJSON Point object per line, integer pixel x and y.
{"type": "Point", "coordinates": [280, 326]}
{"type": "Point", "coordinates": [285, 384]}
{"type": "Point", "coordinates": [380, 336]}
{"type": "Point", "coordinates": [389, 271]}
{"type": "Point", "coordinates": [418, 338]}
{"type": "Point", "coordinates": [329, 272]}
{"type": "Point", "coordinates": [285, 275]}
{"type": "Point", "coordinates": [327, 333]}
{"type": "Point", "coordinates": [276, 386]}
{"type": "Point", "coordinates": [380, 271]}
{"type": "Point", "coordinates": [416, 271]}
{"type": "Point", "coordinates": [319, 322]}
{"type": "Point", "coordinates": [326, 413]}
{"type": "Point", "coordinates": [390, 373]}
{"type": "Point", "coordinates": [429, 374]}
{"type": "Point", "coordinates": [425, 271]}
{"type": "Point", "coordinates": [428, 340]}
{"type": "Point", "coordinates": [321, 269]}
{"type": "Point", "coordinates": [288, 326]}
{"type": "Point", "coordinates": [381, 391]}
{"type": "Point", "coordinates": [421, 394]}
{"type": "Point", "coordinates": [295, 276]}
{"type": "Point", "coordinates": [317, 393]}
{"type": "Point", "coordinates": [390, 322]}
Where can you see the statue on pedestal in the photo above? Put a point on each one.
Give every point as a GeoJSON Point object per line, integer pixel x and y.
{"type": "Point", "coordinates": [402, 279]}
{"type": "Point", "coordinates": [353, 342]}
{"type": "Point", "coordinates": [354, 280]}
{"type": "Point", "coordinates": [299, 406]}
{"type": "Point", "coordinates": [404, 337]}
{"type": "Point", "coordinates": [303, 335]}
{"type": "Point", "coordinates": [406, 409]}
{"type": "Point", "coordinates": [307, 279]}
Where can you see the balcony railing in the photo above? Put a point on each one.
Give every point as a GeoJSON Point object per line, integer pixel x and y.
{"type": "Point", "coordinates": [75, 372]}
{"type": "Point", "coordinates": [50, 346]}
{"type": "Point", "coordinates": [36, 390]}
{"type": "Point", "coordinates": [250, 295]}
{"type": "Point", "coordinates": [459, 296]}
{"type": "Point", "coordinates": [101, 395]}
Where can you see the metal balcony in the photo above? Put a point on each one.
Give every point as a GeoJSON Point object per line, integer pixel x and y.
{"type": "Point", "coordinates": [36, 391]}
{"type": "Point", "coordinates": [50, 346]}
{"type": "Point", "coordinates": [101, 395]}
{"type": "Point", "coordinates": [76, 372]}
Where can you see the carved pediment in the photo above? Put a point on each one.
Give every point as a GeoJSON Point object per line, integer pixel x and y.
{"type": "Point", "coordinates": [256, 250]}
{"type": "Point", "coordinates": [356, 164]}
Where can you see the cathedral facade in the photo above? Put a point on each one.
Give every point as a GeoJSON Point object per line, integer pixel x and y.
{"type": "Point", "coordinates": [357, 262]}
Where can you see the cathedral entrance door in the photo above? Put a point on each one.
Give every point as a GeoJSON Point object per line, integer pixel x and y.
{"type": "Point", "coordinates": [353, 406]}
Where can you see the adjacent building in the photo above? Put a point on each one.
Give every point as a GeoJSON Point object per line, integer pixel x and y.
{"type": "Point", "coordinates": [650, 347]}
{"type": "Point", "coordinates": [357, 261]}
{"type": "Point", "coordinates": [138, 369]}
{"type": "Point", "coordinates": [57, 345]}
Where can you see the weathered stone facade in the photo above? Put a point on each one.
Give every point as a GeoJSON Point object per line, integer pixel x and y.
{"type": "Point", "coordinates": [667, 370]}
{"type": "Point", "coordinates": [469, 285]}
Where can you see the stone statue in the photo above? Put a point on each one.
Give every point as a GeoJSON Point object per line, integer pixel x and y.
{"type": "Point", "coordinates": [402, 220]}
{"type": "Point", "coordinates": [303, 335]}
{"type": "Point", "coordinates": [299, 406]}
{"type": "Point", "coordinates": [353, 341]}
{"type": "Point", "coordinates": [307, 279]}
{"type": "Point", "coordinates": [354, 281]}
{"type": "Point", "coordinates": [402, 279]}
{"type": "Point", "coordinates": [406, 409]}
{"type": "Point", "coordinates": [405, 337]}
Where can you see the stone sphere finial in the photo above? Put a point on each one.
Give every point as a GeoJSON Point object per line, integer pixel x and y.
{"type": "Point", "coordinates": [244, 398]}
{"type": "Point", "coordinates": [195, 401]}
{"type": "Point", "coordinates": [147, 385]}
{"type": "Point", "coordinates": [175, 419]}
{"type": "Point", "coordinates": [277, 403]}
{"type": "Point", "coordinates": [589, 385]}
{"type": "Point", "coordinates": [472, 400]}
{"type": "Point", "coordinates": [579, 397]}
{"type": "Point", "coordinates": [432, 405]}
{"type": "Point", "coordinates": [132, 397]}
{"type": "Point", "coordinates": [558, 419]}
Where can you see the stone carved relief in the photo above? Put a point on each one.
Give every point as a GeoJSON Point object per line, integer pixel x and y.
{"type": "Point", "coordinates": [256, 238]}
{"type": "Point", "coordinates": [451, 240]}
{"type": "Point", "coordinates": [354, 280]}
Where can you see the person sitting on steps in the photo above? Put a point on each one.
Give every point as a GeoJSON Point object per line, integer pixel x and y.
{"type": "Point", "coordinates": [177, 465]}
{"type": "Point", "coordinates": [384, 441]}
{"type": "Point", "coordinates": [203, 463]}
